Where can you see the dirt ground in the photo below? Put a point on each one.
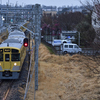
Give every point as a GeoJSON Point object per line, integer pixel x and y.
{"type": "Point", "coordinates": [66, 77]}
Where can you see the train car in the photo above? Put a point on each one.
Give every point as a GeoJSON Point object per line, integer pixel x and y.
{"type": "Point", "coordinates": [12, 27]}
{"type": "Point", "coordinates": [12, 55]}
{"type": "Point", "coordinates": [16, 34]}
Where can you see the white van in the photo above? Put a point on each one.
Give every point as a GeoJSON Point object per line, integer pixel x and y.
{"type": "Point", "coordinates": [71, 48]}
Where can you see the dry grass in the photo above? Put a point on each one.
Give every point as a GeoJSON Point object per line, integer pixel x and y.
{"type": "Point", "coordinates": [65, 78]}
{"type": "Point", "coordinates": [3, 36]}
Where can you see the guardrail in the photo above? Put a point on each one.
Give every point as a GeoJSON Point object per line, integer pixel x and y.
{"type": "Point", "coordinates": [90, 51]}
{"type": "Point", "coordinates": [85, 51]}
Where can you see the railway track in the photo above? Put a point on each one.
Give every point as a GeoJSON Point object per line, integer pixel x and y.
{"type": "Point", "coordinates": [9, 89]}
{"type": "Point", "coordinates": [5, 87]}
{"type": "Point", "coordinates": [0, 82]}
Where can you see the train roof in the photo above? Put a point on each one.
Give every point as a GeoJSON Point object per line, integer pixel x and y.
{"type": "Point", "coordinates": [19, 37]}
{"type": "Point", "coordinates": [17, 32]}
{"type": "Point", "coordinates": [11, 43]}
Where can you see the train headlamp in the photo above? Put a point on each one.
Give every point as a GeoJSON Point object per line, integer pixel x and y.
{"type": "Point", "coordinates": [15, 64]}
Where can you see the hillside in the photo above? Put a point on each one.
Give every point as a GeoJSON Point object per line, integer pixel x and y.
{"type": "Point", "coordinates": [66, 77]}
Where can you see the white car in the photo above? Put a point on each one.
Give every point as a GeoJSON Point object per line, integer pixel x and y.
{"type": "Point", "coordinates": [58, 42]}
{"type": "Point", "coordinates": [71, 48]}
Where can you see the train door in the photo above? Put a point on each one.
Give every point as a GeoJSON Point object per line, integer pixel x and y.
{"type": "Point", "coordinates": [7, 62]}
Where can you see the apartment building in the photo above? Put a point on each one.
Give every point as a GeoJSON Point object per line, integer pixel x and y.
{"type": "Point", "coordinates": [49, 10]}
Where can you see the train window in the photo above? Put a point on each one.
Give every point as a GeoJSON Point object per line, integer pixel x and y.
{"type": "Point", "coordinates": [15, 57]}
{"type": "Point", "coordinates": [7, 58]}
{"type": "Point", "coordinates": [15, 51]}
{"type": "Point", "coordinates": [6, 50]}
{"type": "Point", "coordinates": [1, 50]}
{"type": "Point", "coordinates": [1, 57]}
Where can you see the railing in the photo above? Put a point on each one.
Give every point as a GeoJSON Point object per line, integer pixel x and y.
{"type": "Point", "coordinates": [90, 51]}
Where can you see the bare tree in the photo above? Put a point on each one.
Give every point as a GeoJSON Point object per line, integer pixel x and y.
{"type": "Point", "coordinates": [93, 3]}
{"type": "Point", "coordinates": [96, 22]}
{"type": "Point", "coordinates": [95, 19]}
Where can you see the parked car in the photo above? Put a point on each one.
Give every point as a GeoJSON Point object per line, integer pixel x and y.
{"type": "Point", "coordinates": [71, 48]}
{"type": "Point", "coordinates": [59, 42]}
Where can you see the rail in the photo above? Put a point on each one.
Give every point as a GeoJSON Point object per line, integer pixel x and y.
{"type": "Point", "coordinates": [8, 90]}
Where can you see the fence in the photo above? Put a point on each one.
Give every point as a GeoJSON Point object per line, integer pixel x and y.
{"type": "Point", "coordinates": [90, 51]}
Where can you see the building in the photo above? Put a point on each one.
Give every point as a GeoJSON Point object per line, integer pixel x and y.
{"type": "Point", "coordinates": [49, 10]}
{"type": "Point", "coordinates": [73, 9]}
{"type": "Point", "coordinates": [68, 35]}
{"type": "Point", "coordinates": [52, 13]}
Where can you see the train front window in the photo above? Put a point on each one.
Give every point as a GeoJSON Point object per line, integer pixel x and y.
{"type": "Point", "coordinates": [15, 51]}
{"type": "Point", "coordinates": [1, 57]}
{"type": "Point", "coordinates": [7, 58]}
{"type": "Point", "coordinates": [1, 50]}
{"type": "Point", "coordinates": [15, 57]}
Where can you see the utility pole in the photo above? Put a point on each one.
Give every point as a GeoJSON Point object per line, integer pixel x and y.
{"type": "Point", "coordinates": [36, 47]}
{"type": "Point", "coordinates": [37, 40]}
{"type": "Point", "coordinates": [1, 2]}
{"type": "Point", "coordinates": [79, 38]}
{"type": "Point", "coordinates": [29, 50]}
{"type": "Point", "coordinates": [8, 2]}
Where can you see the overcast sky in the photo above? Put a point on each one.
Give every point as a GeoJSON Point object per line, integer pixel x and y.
{"type": "Point", "coordinates": [58, 3]}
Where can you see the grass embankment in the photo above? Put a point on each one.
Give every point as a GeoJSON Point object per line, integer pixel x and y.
{"type": "Point", "coordinates": [66, 77]}
{"type": "Point", "coordinates": [50, 50]}
{"type": "Point", "coordinates": [25, 25]}
{"type": "Point", "coordinates": [3, 36]}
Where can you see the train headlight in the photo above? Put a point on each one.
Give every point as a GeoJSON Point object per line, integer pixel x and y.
{"type": "Point", "coordinates": [15, 64]}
